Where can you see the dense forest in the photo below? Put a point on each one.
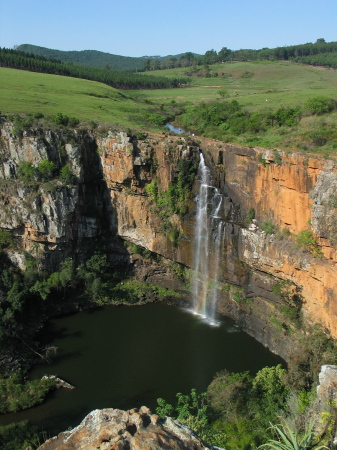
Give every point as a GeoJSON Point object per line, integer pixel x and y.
{"type": "Point", "coordinates": [320, 53]}
{"type": "Point", "coordinates": [88, 58]}
{"type": "Point", "coordinates": [93, 58]}
{"type": "Point", "coordinates": [118, 79]}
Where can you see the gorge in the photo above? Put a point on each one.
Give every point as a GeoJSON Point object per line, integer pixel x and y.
{"type": "Point", "coordinates": [144, 191]}
{"type": "Point", "coordinates": [110, 200]}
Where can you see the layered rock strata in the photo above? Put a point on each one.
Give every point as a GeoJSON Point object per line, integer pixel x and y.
{"type": "Point", "coordinates": [263, 274]}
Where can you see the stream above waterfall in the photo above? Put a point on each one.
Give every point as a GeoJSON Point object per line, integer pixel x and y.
{"type": "Point", "coordinates": [125, 357]}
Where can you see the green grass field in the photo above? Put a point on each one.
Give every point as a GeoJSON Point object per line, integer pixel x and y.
{"type": "Point", "coordinates": [262, 86]}
{"type": "Point", "coordinates": [23, 92]}
{"type": "Point", "coordinates": [252, 83]}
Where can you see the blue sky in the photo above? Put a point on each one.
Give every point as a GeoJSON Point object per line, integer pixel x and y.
{"type": "Point", "coordinates": [144, 27]}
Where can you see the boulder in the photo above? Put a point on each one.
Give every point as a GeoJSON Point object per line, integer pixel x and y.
{"type": "Point", "coordinates": [114, 429]}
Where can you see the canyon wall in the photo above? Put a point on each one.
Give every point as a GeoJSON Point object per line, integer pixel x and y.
{"type": "Point", "coordinates": [269, 276]}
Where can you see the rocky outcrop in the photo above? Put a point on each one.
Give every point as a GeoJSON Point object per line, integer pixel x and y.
{"type": "Point", "coordinates": [266, 280]}
{"type": "Point", "coordinates": [115, 429]}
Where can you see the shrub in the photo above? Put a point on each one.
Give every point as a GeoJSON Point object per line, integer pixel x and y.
{"type": "Point", "coordinates": [6, 238]}
{"type": "Point", "coordinates": [20, 435]}
{"type": "Point", "coordinates": [268, 227]}
{"type": "Point", "coordinates": [155, 119]}
{"type": "Point", "coordinates": [26, 171]}
{"type": "Point", "coordinates": [73, 122]}
{"type": "Point", "coordinates": [66, 175]}
{"type": "Point", "coordinates": [321, 105]}
{"type": "Point", "coordinates": [152, 191]}
{"type": "Point", "coordinates": [250, 216]}
{"type": "Point", "coordinates": [223, 93]}
{"type": "Point", "coordinates": [60, 119]}
{"type": "Point", "coordinates": [285, 116]}
{"type": "Point", "coordinates": [15, 396]}
{"type": "Point", "coordinates": [46, 169]}
{"type": "Point", "coordinates": [307, 240]}
{"type": "Point", "coordinates": [21, 124]}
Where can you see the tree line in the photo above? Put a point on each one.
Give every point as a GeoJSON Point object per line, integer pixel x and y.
{"type": "Point", "coordinates": [320, 52]}
{"type": "Point", "coordinates": [118, 79]}
{"type": "Point", "coordinates": [88, 58]}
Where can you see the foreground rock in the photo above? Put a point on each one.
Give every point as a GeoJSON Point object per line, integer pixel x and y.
{"type": "Point", "coordinates": [115, 429]}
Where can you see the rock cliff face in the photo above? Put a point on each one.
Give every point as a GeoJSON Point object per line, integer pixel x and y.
{"type": "Point", "coordinates": [114, 429]}
{"type": "Point", "coordinates": [266, 280]}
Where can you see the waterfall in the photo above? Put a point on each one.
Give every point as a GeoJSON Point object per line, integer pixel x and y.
{"type": "Point", "coordinates": [208, 245]}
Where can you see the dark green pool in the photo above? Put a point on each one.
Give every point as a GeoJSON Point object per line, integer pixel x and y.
{"type": "Point", "coordinates": [124, 357]}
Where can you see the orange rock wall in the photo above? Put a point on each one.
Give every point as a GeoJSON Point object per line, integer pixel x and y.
{"type": "Point", "coordinates": [248, 178]}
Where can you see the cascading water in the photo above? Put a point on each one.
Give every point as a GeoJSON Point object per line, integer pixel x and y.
{"type": "Point", "coordinates": [208, 245]}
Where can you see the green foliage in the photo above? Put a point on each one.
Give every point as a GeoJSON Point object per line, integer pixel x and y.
{"type": "Point", "coordinates": [238, 295]}
{"type": "Point", "coordinates": [26, 171]}
{"type": "Point", "coordinates": [285, 116]}
{"type": "Point", "coordinates": [191, 410]}
{"type": "Point", "coordinates": [223, 93]}
{"type": "Point", "coordinates": [320, 105]}
{"type": "Point", "coordinates": [21, 124]}
{"type": "Point", "coordinates": [321, 137]}
{"type": "Point", "coordinates": [155, 119]}
{"type": "Point", "coordinates": [175, 200]}
{"type": "Point", "coordinates": [317, 348]}
{"type": "Point", "coordinates": [289, 439]}
{"type": "Point", "coordinates": [132, 291]}
{"type": "Point", "coordinates": [146, 254]}
{"type": "Point", "coordinates": [116, 78]}
{"type": "Point", "coordinates": [268, 227]}
{"type": "Point", "coordinates": [164, 409]}
{"type": "Point", "coordinates": [174, 236]}
{"type": "Point", "coordinates": [245, 405]}
{"type": "Point", "coordinates": [6, 238]}
{"type": "Point", "coordinates": [20, 436]}
{"type": "Point", "coordinates": [62, 119]}
{"type": "Point", "coordinates": [227, 394]}
{"type": "Point", "coordinates": [262, 160]}
{"type": "Point", "coordinates": [307, 240]}
{"type": "Point", "coordinates": [250, 216]}
{"type": "Point", "coordinates": [152, 191]}
{"type": "Point", "coordinates": [66, 175]}
{"type": "Point", "coordinates": [282, 289]}
{"type": "Point", "coordinates": [277, 157]}
{"type": "Point", "coordinates": [91, 58]}
{"type": "Point", "coordinates": [16, 395]}
{"type": "Point", "coordinates": [46, 169]}
{"type": "Point", "coordinates": [270, 382]}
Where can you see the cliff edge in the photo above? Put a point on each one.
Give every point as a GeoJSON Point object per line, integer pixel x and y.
{"type": "Point", "coordinates": [114, 429]}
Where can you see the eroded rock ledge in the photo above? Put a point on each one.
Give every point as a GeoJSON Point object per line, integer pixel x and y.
{"type": "Point", "coordinates": [115, 429]}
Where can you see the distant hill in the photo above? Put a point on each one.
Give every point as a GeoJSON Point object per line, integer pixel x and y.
{"type": "Point", "coordinates": [93, 58]}
{"type": "Point", "coordinates": [88, 58]}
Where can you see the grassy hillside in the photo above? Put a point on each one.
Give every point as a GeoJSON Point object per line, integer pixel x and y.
{"type": "Point", "coordinates": [252, 83]}
{"type": "Point", "coordinates": [24, 92]}
{"type": "Point", "coordinates": [259, 88]}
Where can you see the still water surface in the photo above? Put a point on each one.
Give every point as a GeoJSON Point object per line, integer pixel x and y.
{"type": "Point", "coordinates": [125, 357]}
